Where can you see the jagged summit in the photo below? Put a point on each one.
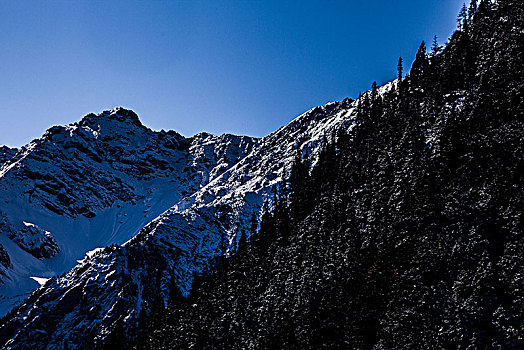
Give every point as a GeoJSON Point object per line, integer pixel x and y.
{"type": "Point", "coordinates": [95, 183]}
{"type": "Point", "coordinates": [119, 114]}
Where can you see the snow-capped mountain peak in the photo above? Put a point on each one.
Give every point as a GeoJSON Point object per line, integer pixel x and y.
{"type": "Point", "coordinates": [95, 183]}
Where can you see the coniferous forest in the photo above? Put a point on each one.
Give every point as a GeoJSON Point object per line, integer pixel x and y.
{"type": "Point", "coordinates": [407, 233]}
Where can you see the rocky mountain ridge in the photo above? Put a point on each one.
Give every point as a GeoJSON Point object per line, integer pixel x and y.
{"type": "Point", "coordinates": [92, 184]}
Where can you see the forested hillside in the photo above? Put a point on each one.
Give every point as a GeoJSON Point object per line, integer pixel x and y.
{"type": "Point", "coordinates": [406, 234]}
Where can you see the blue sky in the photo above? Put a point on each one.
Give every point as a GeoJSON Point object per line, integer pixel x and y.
{"type": "Point", "coordinates": [245, 67]}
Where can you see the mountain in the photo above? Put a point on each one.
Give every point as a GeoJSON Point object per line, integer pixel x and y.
{"type": "Point", "coordinates": [95, 183]}
{"type": "Point", "coordinates": [203, 192]}
{"type": "Point", "coordinates": [391, 221]}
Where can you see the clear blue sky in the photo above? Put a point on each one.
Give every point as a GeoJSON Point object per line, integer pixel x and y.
{"type": "Point", "coordinates": [245, 67]}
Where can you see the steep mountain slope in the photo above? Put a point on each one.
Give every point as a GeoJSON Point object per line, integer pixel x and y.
{"type": "Point", "coordinates": [407, 235]}
{"type": "Point", "coordinates": [111, 284]}
{"type": "Point", "coordinates": [95, 183]}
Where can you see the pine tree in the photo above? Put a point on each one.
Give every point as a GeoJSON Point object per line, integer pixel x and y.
{"type": "Point", "coordinates": [462, 18]}
{"type": "Point", "coordinates": [253, 223]}
{"type": "Point", "coordinates": [242, 243]}
{"type": "Point", "coordinates": [435, 48]}
{"type": "Point", "coordinates": [399, 69]}
{"type": "Point", "coordinates": [222, 244]}
{"type": "Point", "coordinates": [374, 92]}
{"type": "Point", "coordinates": [419, 66]}
{"type": "Point", "coordinates": [421, 53]}
{"type": "Point", "coordinates": [175, 295]}
{"type": "Point", "coordinates": [472, 11]}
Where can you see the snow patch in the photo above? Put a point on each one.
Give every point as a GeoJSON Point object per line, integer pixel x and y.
{"type": "Point", "coordinates": [40, 280]}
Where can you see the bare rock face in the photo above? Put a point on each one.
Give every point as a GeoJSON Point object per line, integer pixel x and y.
{"type": "Point", "coordinates": [36, 241]}
{"type": "Point", "coordinates": [30, 237]}
{"type": "Point", "coordinates": [6, 153]}
{"type": "Point", "coordinates": [5, 261]}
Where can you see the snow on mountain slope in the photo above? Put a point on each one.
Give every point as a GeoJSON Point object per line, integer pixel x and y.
{"type": "Point", "coordinates": [123, 281]}
{"type": "Point", "coordinates": [95, 183]}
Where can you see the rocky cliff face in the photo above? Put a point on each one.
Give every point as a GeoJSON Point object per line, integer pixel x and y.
{"type": "Point", "coordinates": [6, 153]}
{"type": "Point", "coordinates": [36, 241]}
{"type": "Point", "coordinates": [5, 261]}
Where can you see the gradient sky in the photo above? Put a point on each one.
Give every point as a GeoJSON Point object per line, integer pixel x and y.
{"type": "Point", "coordinates": [245, 67]}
